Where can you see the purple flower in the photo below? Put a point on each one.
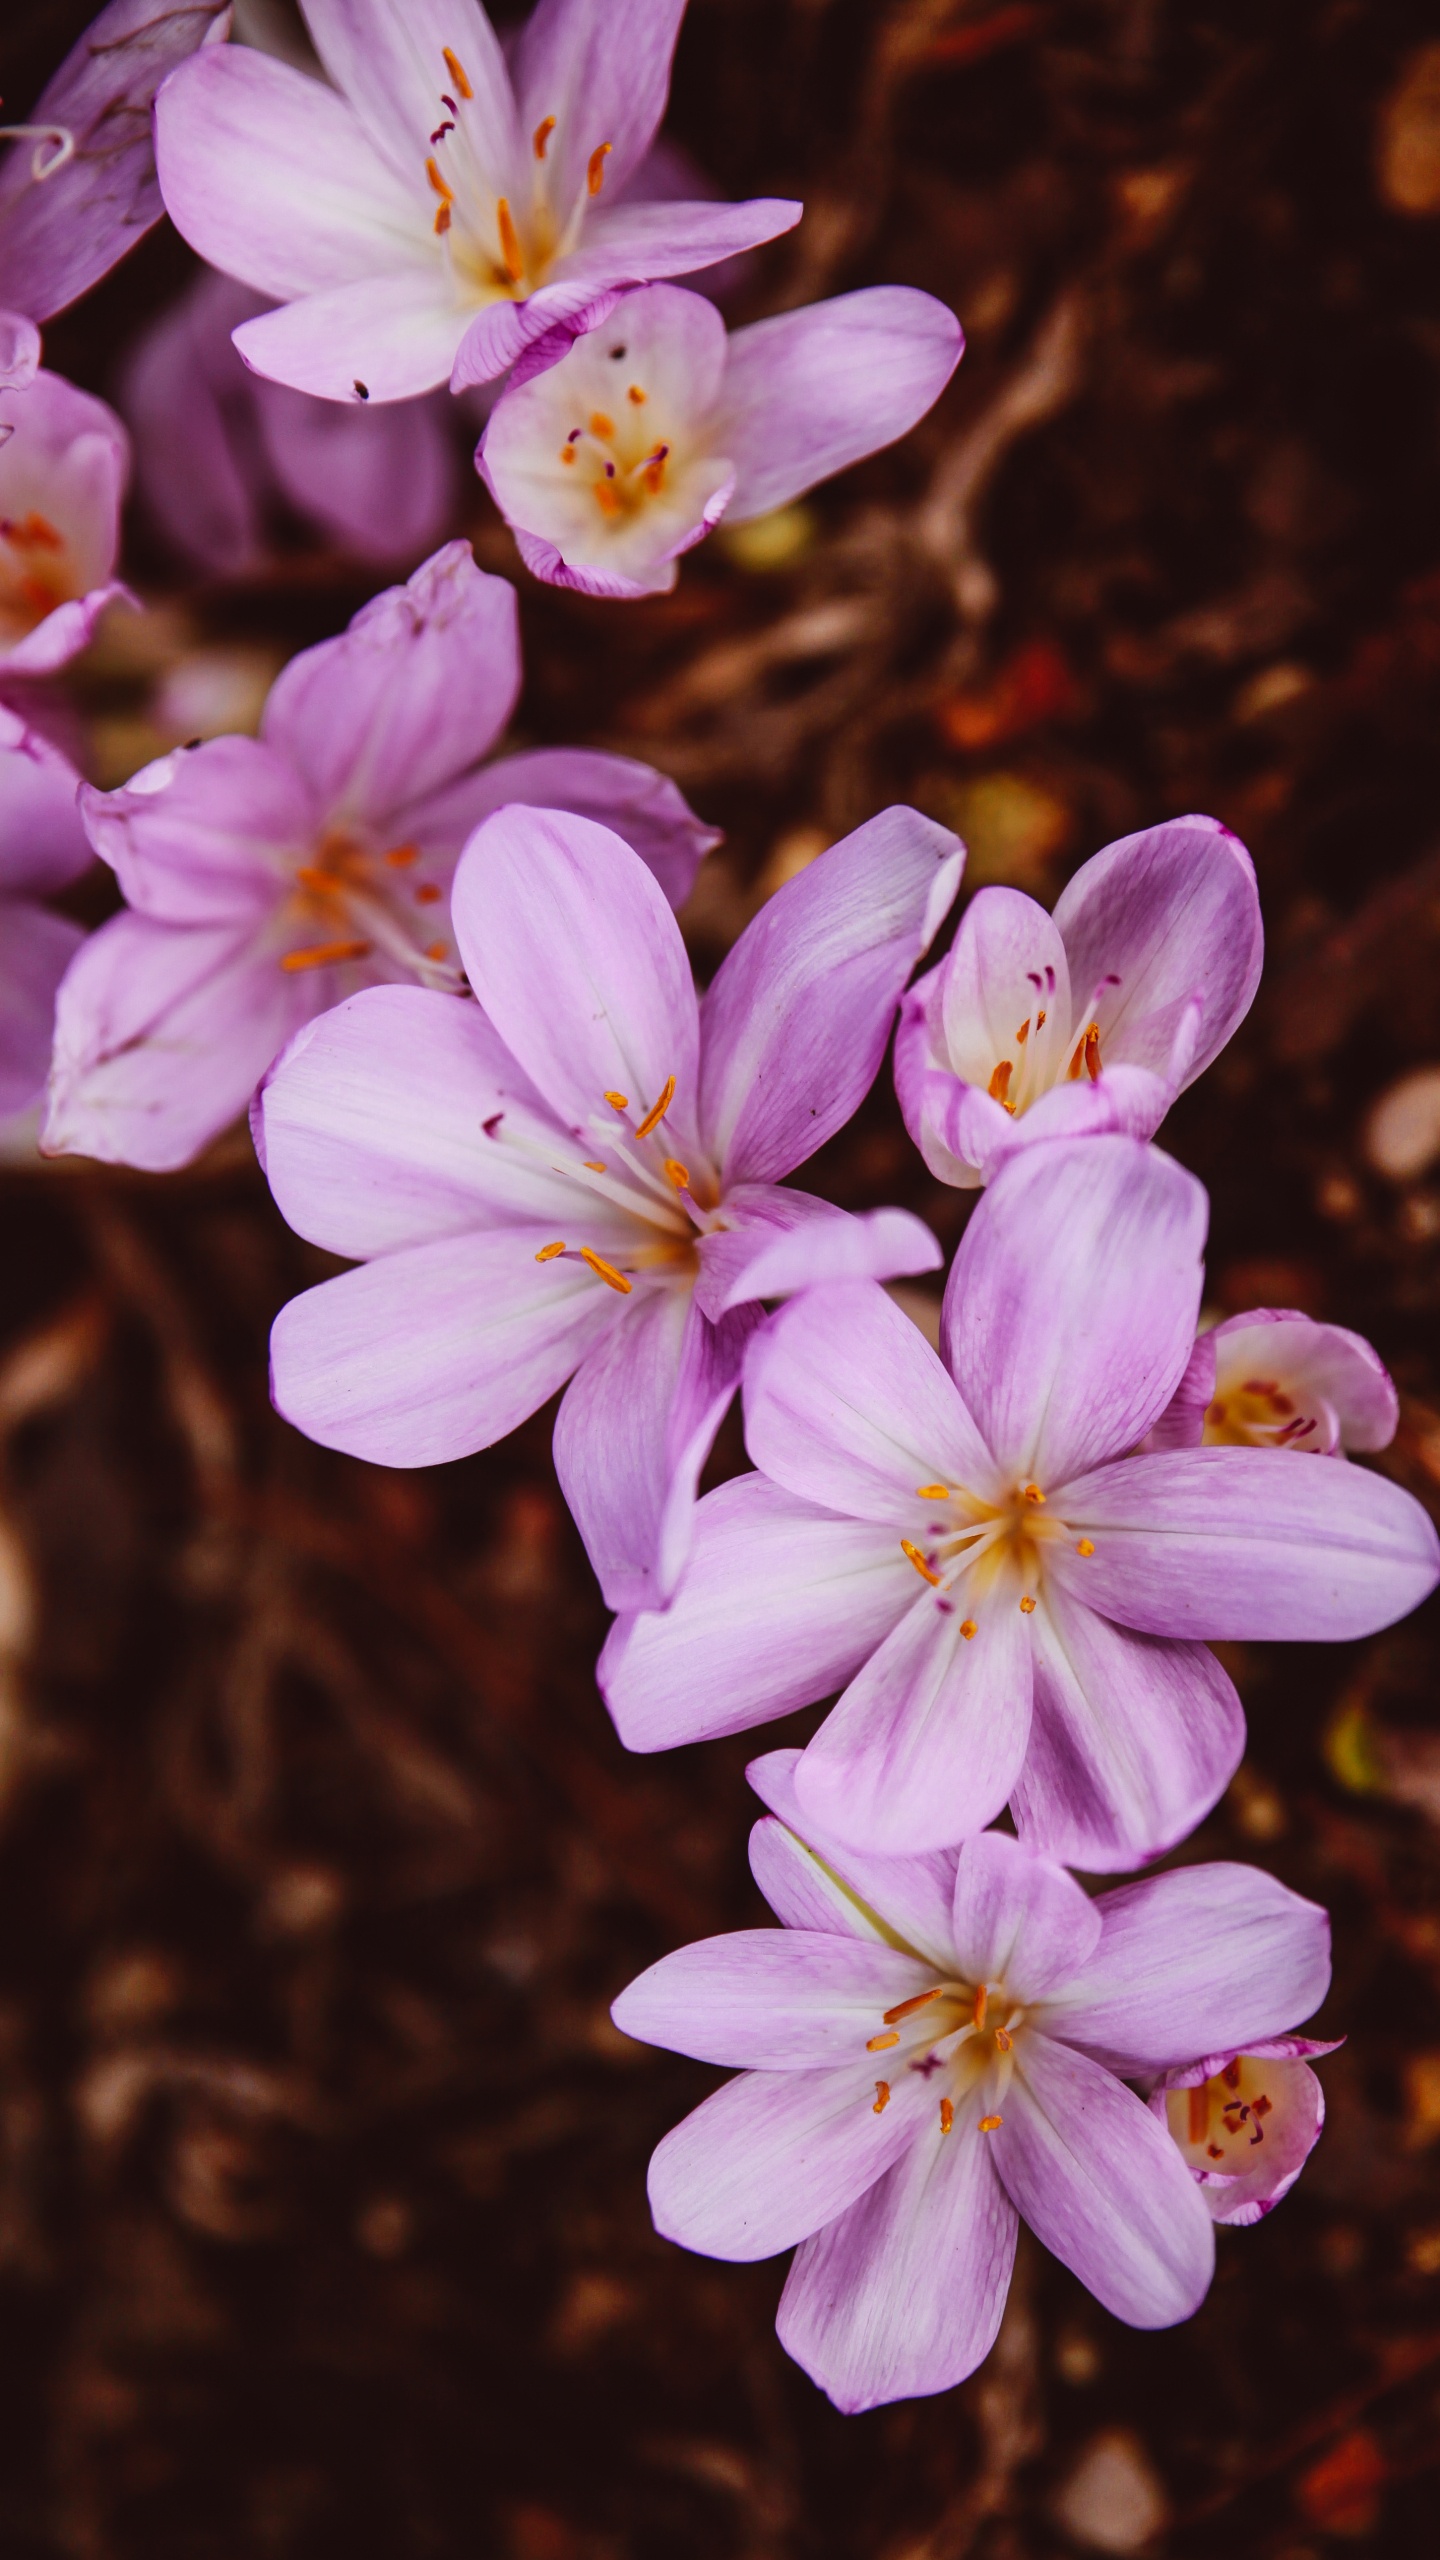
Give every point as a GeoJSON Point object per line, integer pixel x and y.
{"type": "Point", "coordinates": [427, 217]}
{"type": "Point", "coordinates": [1275, 1379]}
{"type": "Point", "coordinates": [582, 1172]}
{"type": "Point", "coordinates": [268, 878]}
{"type": "Point", "coordinates": [611, 461]}
{"type": "Point", "coordinates": [78, 187]}
{"type": "Point", "coordinates": [217, 446]}
{"type": "Point", "coordinates": [932, 2049]}
{"type": "Point", "coordinates": [1009, 1596]}
{"type": "Point", "coordinates": [42, 848]}
{"type": "Point", "coordinates": [1039, 1026]}
{"type": "Point", "coordinates": [64, 461]}
{"type": "Point", "coordinates": [1245, 2122]}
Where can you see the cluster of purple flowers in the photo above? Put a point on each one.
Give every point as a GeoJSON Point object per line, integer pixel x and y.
{"type": "Point", "coordinates": [452, 989]}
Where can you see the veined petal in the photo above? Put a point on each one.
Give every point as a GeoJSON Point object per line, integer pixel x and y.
{"type": "Point", "coordinates": [809, 392]}
{"type": "Point", "coordinates": [1070, 1310]}
{"type": "Point", "coordinates": [408, 698]}
{"type": "Point", "coordinates": [601, 70]}
{"type": "Point", "coordinates": [928, 1740]}
{"type": "Point", "coordinates": [846, 1404]}
{"type": "Point", "coordinates": [390, 63]}
{"type": "Point", "coordinates": [903, 2293]}
{"type": "Point", "coordinates": [1019, 1919]}
{"type": "Point", "coordinates": [434, 1352]}
{"type": "Point", "coordinates": [35, 950]}
{"type": "Point", "coordinates": [1154, 922]}
{"type": "Point", "coordinates": [578, 961]}
{"type": "Point", "coordinates": [207, 835]}
{"type": "Point", "coordinates": [643, 807]}
{"type": "Point", "coordinates": [1247, 1544]}
{"type": "Point", "coordinates": [820, 1594]}
{"type": "Point", "coordinates": [905, 1902]}
{"type": "Point", "coordinates": [383, 337]}
{"type": "Point", "coordinates": [1202, 1960]}
{"type": "Point", "coordinates": [272, 178]}
{"type": "Point", "coordinates": [769, 1999]}
{"type": "Point", "coordinates": [782, 1241]}
{"type": "Point", "coordinates": [796, 1019]}
{"type": "Point", "coordinates": [1132, 1739]}
{"type": "Point", "coordinates": [1102, 2184]}
{"type": "Point", "coordinates": [774, 2154]}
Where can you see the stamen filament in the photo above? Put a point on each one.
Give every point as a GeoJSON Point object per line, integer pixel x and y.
{"type": "Point", "coordinates": [1199, 2112]}
{"type": "Point", "coordinates": [981, 2004]}
{"type": "Point", "coordinates": [661, 1105]}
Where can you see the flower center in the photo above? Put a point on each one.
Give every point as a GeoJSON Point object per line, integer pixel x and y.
{"type": "Point", "coordinates": [499, 248]}
{"type": "Point", "coordinates": [962, 2037]}
{"type": "Point", "coordinates": [974, 1552]}
{"type": "Point", "coordinates": [1220, 2125]}
{"type": "Point", "coordinates": [1258, 1415]}
{"type": "Point", "coordinates": [623, 463]}
{"type": "Point", "coordinates": [36, 572]}
{"type": "Point", "coordinates": [669, 1203]}
{"type": "Point", "coordinates": [1041, 1053]}
{"type": "Point", "coordinates": [352, 903]}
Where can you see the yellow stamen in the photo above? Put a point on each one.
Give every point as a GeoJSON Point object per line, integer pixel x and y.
{"type": "Point", "coordinates": [605, 1271]}
{"type": "Point", "coordinates": [968, 1628]}
{"type": "Point", "coordinates": [1000, 1084]}
{"type": "Point", "coordinates": [602, 426]}
{"type": "Point", "coordinates": [907, 2008]}
{"type": "Point", "coordinates": [947, 2115]}
{"type": "Point", "coordinates": [548, 1252]}
{"type": "Point", "coordinates": [456, 69]}
{"type": "Point", "coordinates": [607, 498]}
{"type": "Point", "coordinates": [1040, 1021]}
{"type": "Point", "coordinates": [510, 249]}
{"type": "Point", "coordinates": [541, 136]}
{"type": "Point", "coordinates": [1033, 1493]}
{"type": "Point", "coordinates": [593, 1165]}
{"type": "Point", "coordinates": [880, 2044]}
{"type": "Point", "coordinates": [932, 1493]}
{"type": "Point", "coordinates": [618, 1101]}
{"type": "Point", "coordinates": [882, 2097]}
{"type": "Point", "coordinates": [310, 876]}
{"type": "Point", "coordinates": [991, 2124]}
{"type": "Point", "coordinates": [1085, 1547]}
{"type": "Point", "coordinates": [1199, 2112]}
{"type": "Point", "coordinates": [1027, 1606]}
{"type": "Point", "coordinates": [442, 187]}
{"type": "Point", "coordinates": [982, 2002]}
{"type": "Point", "coordinates": [1003, 2040]}
{"type": "Point", "coordinates": [434, 950]}
{"type": "Point", "coordinates": [909, 1548]}
{"type": "Point", "coordinates": [1092, 1053]}
{"type": "Point", "coordinates": [1023, 1034]}
{"type": "Point", "coordinates": [595, 173]}
{"type": "Point", "coordinates": [400, 856]}
{"type": "Point", "coordinates": [320, 955]}
{"type": "Point", "coordinates": [677, 1173]}
{"type": "Point", "coordinates": [657, 1110]}
{"type": "Point", "coordinates": [636, 396]}
{"type": "Point", "coordinates": [567, 453]}
{"type": "Point", "coordinates": [442, 222]}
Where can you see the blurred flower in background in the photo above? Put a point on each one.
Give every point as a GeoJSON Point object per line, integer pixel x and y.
{"type": "Point", "coordinates": [43, 847]}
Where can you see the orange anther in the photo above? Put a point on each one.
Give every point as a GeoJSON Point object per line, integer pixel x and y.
{"type": "Point", "coordinates": [909, 1548]}
{"type": "Point", "coordinates": [982, 2002]}
{"type": "Point", "coordinates": [1199, 2112]}
{"type": "Point", "coordinates": [882, 2097]}
{"type": "Point", "coordinates": [595, 173]}
{"type": "Point", "coordinates": [907, 2008]}
{"type": "Point", "coordinates": [1027, 1606]}
{"type": "Point", "coordinates": [1003, 2039]}
{"type": "Point", "coordinates": [1000, 1083]}
{"type": "Point", "coordinates": [321, 954]}
{"type": "Point", "coordinates": [548, 1252]}
{"type": "Point", "coordinates": [443, 220]}
{"type": "Point", "coordinates": [1092, 1053]}
{"type": "Point", "coordinates": [932, 1493]}
{"type": "Point", "coordinates": [658, 1108]}
{"type": "Point", "coordinates": [635, 396]}
{"type": "Point", "coordinates": [400, 856]}
{"type": "Point", "coordinates": [605, 1271]}
{"type": "Point", "coordinates": [567, 453]}
{"type": "Point", "coordinates": [947, 2115]}
{"type": "Point", "coordinates": [677, 1173]}
{"type": "Point", "coordinates": [442, 186]}
{"type": "Point", "coordinates": [881, 2044]}
{"type": "Point", "coordinates": [968, 1628]}
{"type": "Point", "coordinates": [541, 136]}
{"type": "Point", "coordinates": [618, 1101]}
{"type": "Point", "coordinates": [456, 69]}
{"type": "Point", "coordinates": [434, 951]}
{"type": "Point", "coordinates": [1023, 1034]}
{"type": "Point", "coordinates": [991, 2124]}
{"type": "Point", "coordinates": [593, 1164]}
{"type": "Point", "coordinates": [428, 894]}
{"type": "Point", "coordinates": [602, 426]}
{"type": "Point", "coordinates": [324, 883]}
{"type": "Point", "coordinates": [1033, 1493]}
{"type": "Point", "coordinates": [1085, 1546]}
{"type": "Point", "coordinates": [510, 249]}
{"type": "Point", "coordinates": [1040, 1021]}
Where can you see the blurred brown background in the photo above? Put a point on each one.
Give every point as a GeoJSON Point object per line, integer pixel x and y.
{"type": "Point", "coordinates": [322, 2215]}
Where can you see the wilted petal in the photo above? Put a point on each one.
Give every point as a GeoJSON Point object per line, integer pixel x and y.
{"type": "Point", "coordinates": [781, 1241]}
{"type": "Point", "coordinates": [810, 392]}
{"type": "Point", "coordinates": [1070, 1310]}
{"type": "Point", "coordinates": [1102, 2184]}
{"type": "Point", "coordinates": [1019, 1919]}
{"type": "Point", "coordinates": [904, 1901]}
{"type": "Point", "coordinates": [35, 951]}
{"type": "Point", "coordinates": [1151, 924]}
{"type": "Point", "coordinates": [902, 2295]}
{"type": "Point", "coordinates": [798, 1014]}
{"type": "Point", "coordinates": [769, 1999]}
{"type": "Point", "coordinates": [207, 835]}
{"type": "Point", "coordinates": [775, 2154]}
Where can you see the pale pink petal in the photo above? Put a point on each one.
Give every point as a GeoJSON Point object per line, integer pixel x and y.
{"type": "Point", "coordinates": [775, 2154]}
{"type": "Point", "coordinates": [381, 479]}
{"type": "Point", "coordinates": [431, 1353]}
{"type": "Point", "coordinates": [601, 68]}
{"type": "Point", "coordinates": [820, 1594]}
{"type": "Point", "coordinates": [809, 392]}
{"type": "Point", "coordinates": [904, 1901]}
{"type": "Point", "coordinates": [383, 337]}
{"type": "Point", "coordinates": [193, 410]}
{"type": "Point", "coordinates": [1313, 1363]}
{"type": "Point", "coordinates": [1070, 1310]}
{"type": "Point", "coordinates": [636, 802]}
{"type": "Point", "coordinates": [1260, 2126]}
{"type": "Point", "coordinates": [902, 2294]}
{"type": "Point", "coordinates": [35, 950]}
{"type": "Point", "coordinates": [43, 844]}
{"type": "Point", "coordinates": [769, 1999]}
{"type": "Point", "coordinates": [207, 835]}
{"type": "Point", "coordinates": [389, 62]}
{"type": "Point", "coordinates": [780, 1241]}
{"type": "Point", "coordinates": [1151, 924]}
{"type": "Point", "coordinates": [1019, 1919]}
{"type": "Point", "coordinates": [797, 1017]}
{"type": "Point", "coordinates": [1182, 1424]}
{"type": "Point", "coordinates": [63, 634]}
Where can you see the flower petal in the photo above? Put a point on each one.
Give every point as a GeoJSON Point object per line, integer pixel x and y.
{"type": "Point", "coordinates": [578, 961]}
{"type": "Point", "coordinates": [1102, 2184]}
{"type": "Point", "coordinates": [601, 70]}
{"type": "Point", "coordinates": [903, 2293]}
{"type": "Point", "coordinates": [775, 2154]}
{"type": "Point", "coordinates": [1154, 922]}
{"type": "Point", "coordinates": [782, 1241]}
{"type": "Point", "coordinates": [429, 1354]}
{"type": "Point", "coordinates": [1202, 1960]}
{"type": "Point", "coordinates": [207, 835]}
{"type": "Point", "coordinates": [406, 699]}
{"type": "Point", "coordinates": [380, 480]}
{"type": "Point", "coordinates": [846, 1404]}
{"type": "Point", "coordinates": [769, 1999]}
{"type": "Point", "coordinates": [1311, 1361]}
{"type": "Point", "coordinates": [810, 392]}
{"type": "Point", "coordinates": [35, 950]}
{"type": "Point", "coordinates": [383, 337]}
{"type": "Point", "coordinates": [798, 1014]}
{"type": "Point", "coordinates": [1247, 1544]}
{"type": "Point", "coordinates": [19, 351]}
{"type": "Point", "coordinates": [1019, 1919]}
{"type": "Point", "coordinates": [928, 1739]}
{"type": "Point", "coordinates": [906, 1902]}
{"type": "Point", "coordinates": [43, 844]}
{"type": "Point", "coordinates": [643, 807]}
{"type": "Point", "coordinates": [1132, 1739]}
{"type": "Point", "coordinates": [1262, 2137]}
{"type": "Point", "coordinates": [1006, 968]}
{"type": "Point", "coordinates": [390, 63]}
{"type": "Point", "coordinates": [820, 1594]}
{"type": "Point", "coordinates": [1070, 1310]}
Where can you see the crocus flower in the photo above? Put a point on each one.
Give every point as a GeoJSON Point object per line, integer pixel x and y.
{"type": "Point", "coordinates": [427, 217]}
{"type": "Point", "coordinates": [63, 468]}
{"type": "Point", "coordinates": [1039, 1026]}
{"type": "Point", "coordinates": [218, 446]}
{"type": "Point", "coordinates": [970, 1549]}
{"type": "Point", "coordinates": [1245, 2122]}
{"type": "Point", "coordinates": [611, 461]}
{"type": "Point", "coordinates": [268, 878]}
{"type": "Point", "coordinates": [1275, 1379]}
{"type": "Point", "coordinates": [933, 2049]}
{"type": "Point", "coordinates": [42, 847]}
{"type": "Point", "coordinates": [78, 187]}
{"type": "Point", "coordinates": [582, 1172]}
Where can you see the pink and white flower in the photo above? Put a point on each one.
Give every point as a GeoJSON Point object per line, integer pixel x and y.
{"type": "Point", "coordinates": [581, 1173]}
{"type": "Point", "coordinates": [78, 187]}
{"type": "Point", "coordinates": [1038, 1026]}
{"type": "Point", "coordinates": [429, 215]}
{"type": "Point", "coordinates": [611, 461]}
{"type": "Point", "coordinates": [64, 463]}
{"type": "Point", "coordinates": [1009, 1595]}
{"type": "Point", "coordinates": [1245, 2122]}
{"type": "Point", "coordinates": [932, 2050]}
{"type": "Point", "coordinates": [267, 878]}
{"type": "Point", "coordinates": [43, 847]}
{"type": "Point", "coordinates": [1277, 1379]}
